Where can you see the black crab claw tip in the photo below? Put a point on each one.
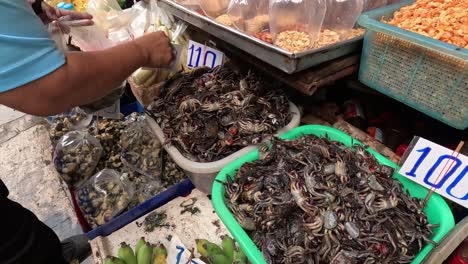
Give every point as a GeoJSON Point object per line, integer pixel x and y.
{"type": "Point", "coordinates": [219, 181]}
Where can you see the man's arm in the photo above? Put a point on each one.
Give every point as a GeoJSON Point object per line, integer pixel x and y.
{"type": "Point", "coordinates": [88, 76]}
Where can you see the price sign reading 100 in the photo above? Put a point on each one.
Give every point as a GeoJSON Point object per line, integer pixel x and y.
{"type": "Point", "coordinates": [439, 168]}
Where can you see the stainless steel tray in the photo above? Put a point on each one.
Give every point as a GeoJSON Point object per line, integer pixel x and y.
{"type": "Point", "coordinates": [284, 60]}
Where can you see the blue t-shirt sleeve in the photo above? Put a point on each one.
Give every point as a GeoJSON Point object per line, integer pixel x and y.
{"type": "Point", "coordinates": [27, 52]}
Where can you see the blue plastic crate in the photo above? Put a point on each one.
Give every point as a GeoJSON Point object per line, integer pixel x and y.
{"type": "Point", "coordinates": [182, 188]}
{"type": "Point", "coordinates": [424, 73]}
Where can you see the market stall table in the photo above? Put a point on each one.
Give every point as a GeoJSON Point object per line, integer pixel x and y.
{"type": "Point", "coordinates": [202, 224]}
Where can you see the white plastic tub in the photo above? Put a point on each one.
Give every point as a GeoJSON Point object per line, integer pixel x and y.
{"type": "Point", "coordinates": [202, 174]}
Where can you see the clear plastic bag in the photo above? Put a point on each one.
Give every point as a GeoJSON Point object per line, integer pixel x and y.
{"type": "Point", "coordinates": [75, 157]}
{"type": "Point", "coordinates": [90, 38]}
{"type": "Point", "coordinates": [250, 16]}
{"type": "Point", "coordinates": [104, 196]}
{"type": "Point", "coordinates": [214, 8]}
{"type": "Point", "coordinates": [145, 187]}
{"type": "Point", "coordinates": [373, 4]}
{"type": "Point", "coordinates": [342, 15]}
{"type": "Point", "coordinates": [141, 150]}
{"type": "Point", "coordinates": [114, 21]}
{"type": "Point", "coordinates": [105, 101]}
{"type": "Point", "coordinates": [295, 24]}
{"type": "Point", "coordinates": [76, 119]}
{"type": "Point", "coordinates": [144, 81]}
{"type": "Point", "coordinates": [58, 34]}
{"type": "Point", "coordinates": [141, 23]}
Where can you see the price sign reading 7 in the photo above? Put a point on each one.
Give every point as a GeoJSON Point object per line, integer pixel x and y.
{"type": "Point", "coordinates": [201, 55]}
{"type": "Point", "coordinates": [436, 167]}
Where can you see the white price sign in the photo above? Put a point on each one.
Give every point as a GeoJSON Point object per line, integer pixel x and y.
{"type": "Point", "coordinates": [201, 55]}
{"type": "Point", "coordinates": [439, 168]}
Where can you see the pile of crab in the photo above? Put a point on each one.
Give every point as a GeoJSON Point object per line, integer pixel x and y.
{"type": "Point", "coordinates": [209, 114]}
{"type": "Point", "coordinates": [313, 200]}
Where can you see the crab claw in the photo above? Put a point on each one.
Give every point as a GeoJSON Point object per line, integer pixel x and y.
{"type": "Point", "coordinates": [315, 225]}
{"type": "Point", "coordinates": [384, 204]}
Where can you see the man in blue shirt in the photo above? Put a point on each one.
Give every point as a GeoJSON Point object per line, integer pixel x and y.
{"type": "Point", "coordinates": [36, 78]}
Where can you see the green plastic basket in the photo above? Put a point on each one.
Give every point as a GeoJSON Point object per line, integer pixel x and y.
{"type": "Point", "coordinates": [426, 74]}
{"type": "Point", "coordinates": [437, 209]}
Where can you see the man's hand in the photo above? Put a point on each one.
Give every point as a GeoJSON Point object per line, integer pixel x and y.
{"type": "Point", "coordinates": [156, 49]}
{"type": "Point", "coordinates": [64, 18]}
{"type": "Point", "coordinates": [55, 13]}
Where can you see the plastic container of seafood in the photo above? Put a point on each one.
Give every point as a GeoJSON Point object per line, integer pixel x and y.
{"type": "Point", "coordinates": [182, 188]}
{"type": "Point", "coordinates": [202, 174]}
{"type": "Point", "coordinates": [424, 73]}
{"type": "Point", "coordinates": [437, 210]}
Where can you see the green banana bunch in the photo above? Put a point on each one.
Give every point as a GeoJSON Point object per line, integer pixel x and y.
{"type": "Point", "coordinates": [113, 260]}
{"type": "Point", "coordinates": [125, 253]}
{"type": "Point", "coordinates": [208, 249]}
{"type": "Point", "coordinates": [139, 244]}
{"type": "Point", "coordinates": [239, 257]}
{"type": "Point", "coordinates": [228, 246]}
{"type": "Point", "coordinates": [160, 255]}
{"type": "Point", "coordinates": [201, 247]}
{"type": "Point", "coordinates": [145, 253]}
{"type": "Point", "coordinates": [220, 259]}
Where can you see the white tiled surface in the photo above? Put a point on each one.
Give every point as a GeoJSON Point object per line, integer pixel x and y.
{"type": "Point", "coordinates": [27, 170]}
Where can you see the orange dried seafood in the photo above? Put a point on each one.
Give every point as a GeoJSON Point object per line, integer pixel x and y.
{"type": "Point", "coordinates": [445, 20]}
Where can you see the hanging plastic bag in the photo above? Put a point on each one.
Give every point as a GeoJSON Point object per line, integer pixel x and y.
{"type": "Point", "coordinates": [341, 15]}
{"type": "Point", "coordinates": [101, 9]}
{"type": "Point", "coordinates": [373, 4]}
{"type": "Point", "coordinates": [141, 23]}
{"type": "Point", "coordinates": [141, 150]}
{"type": "Point", "coordinates": [214, 8]}
{"type": "Point", "coordinates": [250, 16]}
{"type": "Point", "coordinates": [90, 38]}
{"type": "Point", "coordinates": [295, 24]}
{"type": "Point", "coordinates": [114, 21]}
{"type": "Point", "coordinates": [75, 157]}
{"type": "Point", "coordinates": [104, 196]}
{"type": "Point", "coordinates": [58, 35]}
{"type": "Point", "coordinates": [145, 82]}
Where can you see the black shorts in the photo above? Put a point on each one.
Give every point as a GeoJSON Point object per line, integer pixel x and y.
{"type": "Point", "coordinates": [23, 238]}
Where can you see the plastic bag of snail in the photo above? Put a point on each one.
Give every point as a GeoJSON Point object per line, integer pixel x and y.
{"type": "Point", "coordinates": [145, 187]}
{"type": "Point", "coordinates": [141, 150]}
{"type": "Point", "coordinates": [63, 123]}
{"type": "Point", "coordinates": [104, 196]}
{"type": "Point", "coordinates": [75, 157]}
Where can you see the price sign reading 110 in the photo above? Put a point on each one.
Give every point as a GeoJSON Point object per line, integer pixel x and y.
{"type": "Point", "coordinates": [439, 168]}
{"type": "Point", "coordinates": [201, 55]}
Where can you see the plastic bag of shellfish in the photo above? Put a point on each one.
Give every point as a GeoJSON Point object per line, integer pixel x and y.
{"type": "Point", "coordinates": [250, 16]}
{"type": "Point", "coordinates": [104, 196]}
{"type": "Point", "coordinates": [75, 157]}
{"type": "Point", "coordinates": [141, 150]}
{"type": "Point", "coordinates": [75, 119]}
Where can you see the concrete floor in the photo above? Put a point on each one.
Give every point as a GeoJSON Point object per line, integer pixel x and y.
{"type": "Point", "coordinates": [27, 170]}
